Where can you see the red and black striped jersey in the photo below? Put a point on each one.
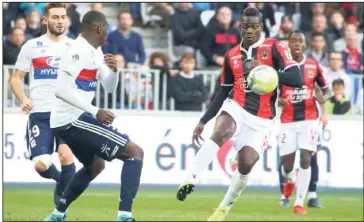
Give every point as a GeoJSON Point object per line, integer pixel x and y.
{"type": "Point", "coordinates": [236, 69]}
{"type": "Point", "coordinates": [301, 102]}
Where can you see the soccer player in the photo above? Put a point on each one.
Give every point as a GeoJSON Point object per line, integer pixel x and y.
{"type": "Point", "coordinates": [245, 117]}
{"type": "Point", "coordinates": [299, 122]}
{"type": "Point", "coordinates": [40, 57]}
{"type": "Point", "coordinates": [87, 129]}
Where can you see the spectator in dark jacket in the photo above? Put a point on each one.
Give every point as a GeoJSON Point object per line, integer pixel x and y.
{"type": "Point", "coordinates": [268, 14]}
{"type": "Point", "coordinates": [12, 46]}
{"type": "Point", "coordinates": [337, 25]}
{"type": "Point", "coordinates": [33, 23]}
{"type": "Point", "coordinates": [285, 29]}
{"type": "Point", "coordinates": [187, 89]}
{"type": "Point", "coordinates": [75, 18]}
{"type": "Point", "coordinates": [10, 11]}
{"type": "Point", "coordinates": [126, 41]}
{"type": "Point", "coordinates": [308, 11]}
{"type": "Point", "coordinates": [187, 29]}
{"type": "Point", "coordinates": [319, 24]}
{"type": "Point", "coordinates": [219, 38]}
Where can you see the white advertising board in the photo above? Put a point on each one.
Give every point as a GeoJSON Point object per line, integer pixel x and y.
{"type": "Point", "coordinates": [166, 141]}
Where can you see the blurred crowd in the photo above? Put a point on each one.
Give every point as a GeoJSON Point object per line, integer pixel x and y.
{"type": "Point", "coordinates": [201, 35]}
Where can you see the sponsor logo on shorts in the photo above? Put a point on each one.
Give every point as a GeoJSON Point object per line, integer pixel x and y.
{"type": "Point", "coordinates": [105, 149]}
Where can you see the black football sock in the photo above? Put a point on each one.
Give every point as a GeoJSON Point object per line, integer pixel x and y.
{"type": "Point", "coordinates": [130, 179]}
{"type": "Point", "coordinates": [282, 180]}
{"type": "Point", "coordinates": [314, 174]}
{"type": "Point", "coordinates": [51, 173]}
{"type": "Point", "coordinates": [75, 188]}
{"type": "Point", "coordinates": [68, 171]}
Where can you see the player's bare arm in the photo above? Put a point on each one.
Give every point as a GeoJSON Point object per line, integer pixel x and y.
{"type": "Point", "coordinates": [18, 90]}
{"type": "Point", "coordinates": [322, 95]}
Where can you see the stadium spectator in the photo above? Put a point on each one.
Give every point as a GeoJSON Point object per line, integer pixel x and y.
{"type": "Point", "coordinates": [164, 10]}
{"type": "Point", "coordinates": [28, 7]}
{"type": "Point", "coordinates": [308, 12]}
{"type": "Point", "coordinates": [75, 18]}
{"type": "Point", "coordinates": [289, 8]}
{"type": "Point", "coordinates": [126, 41]}
{"type": "Point", "coordinates": [349, 30]}
{"type": "Point", "coordinates": [268, 15]}
{"type": "Point", "coordinates": [337, 25]}
{"type": "Point", "coordinates": [12, 46]}
{"type": "Point", "coordinates": [236, 9]}
{"type": "Point", "coordinates": [33, 23]}
{"type": "Point", "coordinates": [97, 6]}
{"type": "Point", "coordinates": [144, 89]}
{"type": "Point", "coordinates": [10, 11]}
{"type": "Point", "coordinates": [187, 29]}
{"type": "Point", "coordinates": [319, 24]}
{"type": "Point", "coordinates": [160, 61]}
{"type": "Point", "coordinates": [353, 60]}
{"type": "Point", "coordinates": [121, 65]}
{"type": "Point", "coordinates": [335, 71]}
{"type": "Point", "coordinates": [348, 8]}
{"type": "Point", "coordinates": [186, 88]}
{"type": "Point", "coordinates": [338, 104]}
{"type": "Point", "coordinates": [219, 38]}
{"type": "Point", "coordinates": [316, 51]}
{"type": "Point", "coordinates": [285, 29]}
{"type": "Point", "coordinates": [67, 32]}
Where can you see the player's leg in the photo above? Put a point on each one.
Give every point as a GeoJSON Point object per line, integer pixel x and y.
{"type": "Point", "coordinates": [68, 168]}
{"type": "Point", "coordinates": [307, 142]}
{"type": "Point", "coordinates": [224, 129]}
{"type": "Point", "coordinates": [287, 145]}
{"type": "Point", "coordinates": [284, 203]}
{"type": "Point", "coordinates": [248, 155]}
{"type": "Point", "coordinates": [312, 188]}
{"type": "Point", "coordinates": [40, 143]}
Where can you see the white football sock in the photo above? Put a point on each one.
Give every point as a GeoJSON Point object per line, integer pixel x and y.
{"type": "Point", "coordinates": [203, 158]}
{"type": "Point", "coordinates": [283, 197]}
{"type": "Point", "coordinates": [311, 195]}
{"type": "Point", "coordinates": [126, 213]}
{"type": "Point", "coordinates": [237, 185]}
{"type": "Point", "coordinates": [56, 212]}
{"type": "Point", "coordinates": [290, 176]}
{"type": "Point", "coordinates": [303, 180]}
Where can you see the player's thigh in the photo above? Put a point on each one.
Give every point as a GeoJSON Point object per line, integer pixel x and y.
{"type": "Point", "coordinates": [287, 141]}
{"type": "Point", "coordinates": [39, 136]}
{"type": "Point", "coordinates": [97, 138]}
{"type": "Point", "coordinates": [64, 152]}
{"type": "Point", "coordinates": [308, 139]}
{"type": "Point", "coordinates": [254, 138]}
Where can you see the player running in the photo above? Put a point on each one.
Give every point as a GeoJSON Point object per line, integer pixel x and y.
{"type": "Point", "coordinates": [41, 57]}
{"type": "Point", "coordinates": [245, 116]}
{"type": "Point", "coordinates": [299, 122]}
{"type": "Point", "coordinates": [86, 128]}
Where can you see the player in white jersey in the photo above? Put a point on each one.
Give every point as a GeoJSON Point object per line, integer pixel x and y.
{"type": "Point", "coordinates": [87, 129]}
{"type": "Point", "coordinates": [41, 57]}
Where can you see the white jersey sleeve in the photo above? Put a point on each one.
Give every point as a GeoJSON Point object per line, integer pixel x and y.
{"type": "Point", "coordinates": [24, 61]}
{"type": "Point", "coordinates": [107, 77]}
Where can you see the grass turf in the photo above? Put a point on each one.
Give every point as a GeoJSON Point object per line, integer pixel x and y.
{"type": "Point", "coordinates": [100, 204]}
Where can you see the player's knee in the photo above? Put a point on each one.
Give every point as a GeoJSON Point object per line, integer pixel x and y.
{"type": "Point", "coordinates": [138, 153]}
{"type": "Point", "coordinates": [65, 155]}
{"type": "Point", "coordinates": [134, 151]}
{"type": "Point", "coordinates": [42, 162]}
{"type": "Point", "coordinates": [220, 136]}
{"type": "Point", "coordinates": [247, 160]}
{"type": "Point", "coordinates": [287, 168]}
{"type": "Point", "coordinates": [305, 159]}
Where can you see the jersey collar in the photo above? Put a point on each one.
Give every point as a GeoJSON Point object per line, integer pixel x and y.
{"type": "Point", "coordinates": [250, 49]}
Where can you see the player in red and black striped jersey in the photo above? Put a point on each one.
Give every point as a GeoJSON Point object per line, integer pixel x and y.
{"type": "Point", "coordinates": [299, 121]}
{"type": "Point", "coordinates": [246, 117]}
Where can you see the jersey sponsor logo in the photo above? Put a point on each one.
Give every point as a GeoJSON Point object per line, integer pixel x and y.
{"type": "Point", "coordinates": [86, 80]}
{"type": "Point", "coordinates": [46, 67]}
{"type": "Point", "coordinates": [297, 95]}
{"type": "Point", "coordinates": [243, 82]}
{"type": "Point", "coordinates": [310, 66]}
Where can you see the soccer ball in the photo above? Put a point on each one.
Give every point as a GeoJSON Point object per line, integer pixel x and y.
{"type": "Point", "coordinates": [263, 79]}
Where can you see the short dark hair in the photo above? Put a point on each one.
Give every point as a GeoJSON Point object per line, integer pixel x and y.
{"type": "Point", "coordinates": [123, 11]}
{"type": "Point", "coordinates": [188, 56]}
{"type": "Point", "coordinates": [16, 28]}
{"type": "Point", "coordinates": [94, 17]}
{"type": "Point", "coordinates": [333, 52]}
{"type": "Point", "coordinates": [338, 82]}
{"type": "Point", "coordinates": [294, 32]}
{"type": "Point", "coordinates": [252, 12]}
{"type": "Point", "coordinates": [18, 18]}
{"type": "Point", "coordinates": [49, 6]}
{"type": "Point", "coordinates": [317, 34]}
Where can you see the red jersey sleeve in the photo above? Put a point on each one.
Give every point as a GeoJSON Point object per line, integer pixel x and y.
{"type": "Point", "coordinates": [227, 77]}
{"type": "Point", "coordinates": [282, 58]}
{"type": "Point", "coordinates": [320, 78]}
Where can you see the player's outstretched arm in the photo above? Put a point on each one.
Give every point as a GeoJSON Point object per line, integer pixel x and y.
{"type": "Point", "coordinates": [66, 91]}
{"type": "Point", "coordinates": [109, 73]}
{"type": "Point", "coordinates": [291, 77]}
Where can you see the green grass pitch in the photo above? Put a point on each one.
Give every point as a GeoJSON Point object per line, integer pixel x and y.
{"type": "Point", "coordinates": [100, 204]}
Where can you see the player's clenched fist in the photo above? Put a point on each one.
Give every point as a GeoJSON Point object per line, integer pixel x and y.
{"type": "Point", "coordinates": [105, 116]}
{"type": "Point", "coordinates": [26, 106]}
{"type": "Point", "coordinates": [197, 134]}
{"type": "Point", "coordinates": [111, 62]}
